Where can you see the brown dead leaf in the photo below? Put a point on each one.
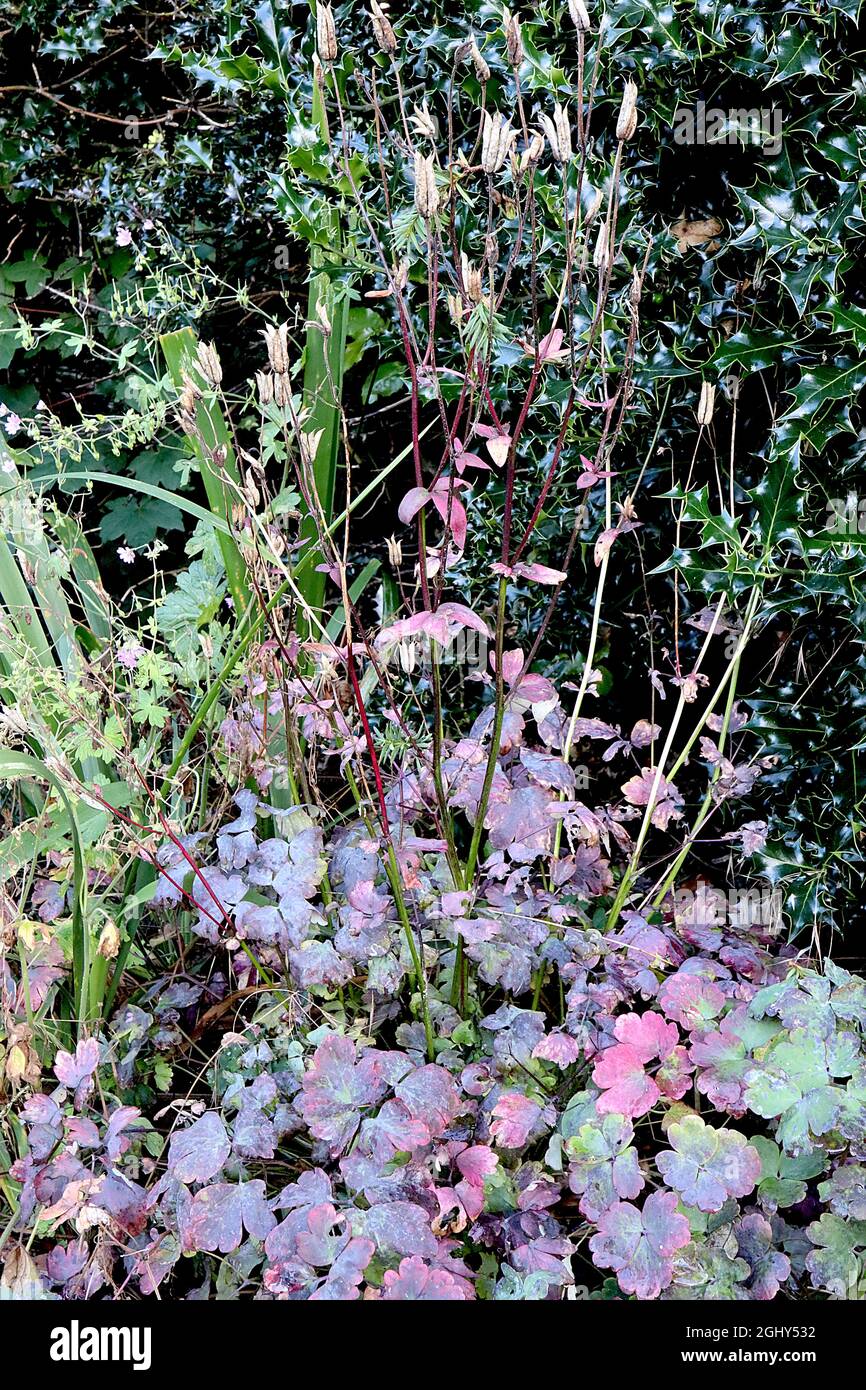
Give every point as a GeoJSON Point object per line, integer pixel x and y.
{"type": "Point", "coordinates": [701, 232]}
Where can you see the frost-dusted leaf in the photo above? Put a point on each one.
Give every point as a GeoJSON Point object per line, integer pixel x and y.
{"type": "Point", "coordinates": [560, 1048]}
{"type": "Point", "coordinates": [722, 1059]}
{"type": "Point", "coordinates": [520, 822]}
{"type": "Point", "coordinates": [516, 1118]}
{"type": "Point", "coordinates": [220, 1213]}
{"type": "Point", "coordinates": [603, 1165]}
{"type": "Point", "coordinates": [836, 1262]}
{"type": "Point", "coordinates": [64, 1262]}
{"type": "Point", "coordinates": [707, 1166]}
{"type": "Point", "coordinates": [770, 1268]}
{"type": "Point", "coordinates": [416, 1280]}
{"type": "Point", "coordinates": [198, 1153]}
{"type": "Point", "coordinates": [627, 1089]}
{"type": "Point", "coordinates": [75, 1070]}
{"type": "Point", "coordinates": [393, 1130]}
{"type": "Point", "coordinates": [347, 1271]}
{"type": "Point", "coordinates": [549, 770]}
{"type": "Point", "coordinates": [845, 1191]}
{"type": "Point", "coordinates": [401, 1228]}
{"type": "Point", "coordinates": [430, 1095]}
{"type": "Point", "coordinates": [639, 1244]}
{"type": "Point", "coordinates": [691, 999]}
{"type": "Point", "coordinates": [317, 963]}
{"type": "Point", "coordinates": [665, 797]}
{"type": "Point", "coordinates": [337, 1088]}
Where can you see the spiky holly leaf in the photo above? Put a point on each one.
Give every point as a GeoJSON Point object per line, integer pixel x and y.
{"type": "Point", "coordinates": [707, 1166]}
{"type": "Point", "coordinates": [604, 1165]}
{"type": "Point", "coordinates": [197, 1154]}
{"type": "Point", "coordinates": [639, 1244]}
{"type": "Point", "coordinates": [836, 1262]}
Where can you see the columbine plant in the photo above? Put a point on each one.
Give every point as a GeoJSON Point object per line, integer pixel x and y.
{"type": "Point", "coordinates": [492, 1046]}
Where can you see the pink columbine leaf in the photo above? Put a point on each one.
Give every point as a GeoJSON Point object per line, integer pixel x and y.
{"type": "Point", "coordinates": [627, 1090]}
{"type": "Point", "coordinates": [515, 1116]}
{"type": "Point", "coordinates": [648, 1034]}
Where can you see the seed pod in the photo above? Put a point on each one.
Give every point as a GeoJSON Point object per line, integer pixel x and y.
{"type": "Point", "coordinates": [109, 941]}
{"type": "Point", "coordinates": [496, 140]}
{"type": "Point", "coordinates": [579, 15]}
{"type": "Point", "coordinates": [513, 39]}
{"type": "Point", "coordinates": [627, 120]}
{"type": "Point", "coordinates": [595, 204]}
{"type": "Point", "coordinates": [558, 134]}
{"type": "Point", "coordinates": [282, 390]}
{"type": "Point", "coordinates": [423, 121]}
{"type": "Point", "coordinates": [706, 404]}
{"type": "Point", "coordinates": [455, 308]}
{"type": "Point", "coordinates": [426, 192]}
{"type": "Point", "coordinates": [482, 71]}
{"type": "Point", "coordinates": [277, 340]}
{"type": "Point", "coordinates": [265, 383]}
{"type": "Point", "coordinates": [601, 254]}
{"type": "Point", "coordinates": [326, 33]}
{"type": "Point", "coordinates": [383, 29]}
{"type": "Point", "coordinates": [395, 552]}
{"type": "Point", "coordinates": [533, 152]}
{"type": "Point", "coordinates": [210, 363]}
{"type": "Point", "coordinates": [471, 279]}
{"type": "Point", "coordinates": [189, 396]}
{"type": "Point", "coordinates": [635, 291]}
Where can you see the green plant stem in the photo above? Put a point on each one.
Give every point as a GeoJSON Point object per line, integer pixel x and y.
{"type": "Point", "coordinates": [496, 734]}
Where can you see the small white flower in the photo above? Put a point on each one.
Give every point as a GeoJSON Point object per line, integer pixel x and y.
{"type": "Point", "coordinates": [126, 554]}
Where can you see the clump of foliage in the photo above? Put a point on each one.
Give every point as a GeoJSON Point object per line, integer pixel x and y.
{"type": "Point", "coordinates": [359, 939]}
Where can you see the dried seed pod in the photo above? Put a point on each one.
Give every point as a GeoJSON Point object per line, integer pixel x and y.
{"type": "Point", "coordinates": [326, 33]}
{"type": "Point", "coordinates": [423, 121]}
{"type": "Point", "coordinates": [558, 132]}
{"type": "Point", "coordinates": [595, 203]}
{"type": "Point", "coordinates": [579, 15]}
{"type": "Point", "coordinates": [513, 38]}
{"type": "Point", "coordinates": [482, 71]}
{"type": "Point", "coordinates": [265, 384]}
{"type": "Point", "coordinates": [277, 341]}
{"type": "Point", "coordinates": [533, 152]}
{"type": "Point", "coordinates": [471, 279]}
{"type": "Point", "coordinates": [455, 308]}
{"type": "Point", "coordinates": [210, 363]}
{"type": "Point", "coordinates": [395, 552]}
{"type": "Point", "coordinates": [627, 120]}
{"type": "Point", "coordinates": [497, 137]}
{"type": "Point", "coordinates": [109, 941]}
{"type": "Point", "coordinates": [706, 403]}
{"type": "Point", "coordinates": [383, 29]}
{"type": "Point", "coordinates": [635, 291]}
{"type": "Point", "coordinates": [282, 390]}
{"type": "Point", "coordinates": [601, 254]}
{"type": "Point", "coordinates": [426, 192]}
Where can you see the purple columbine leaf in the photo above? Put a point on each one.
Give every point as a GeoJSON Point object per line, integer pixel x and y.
{"type": "Point", "coordinates": [706, 1166]}
{"type": "Point", "coordinates": [197, 1154]}
{"type": "Point", "coordinates": [639, 1245]}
